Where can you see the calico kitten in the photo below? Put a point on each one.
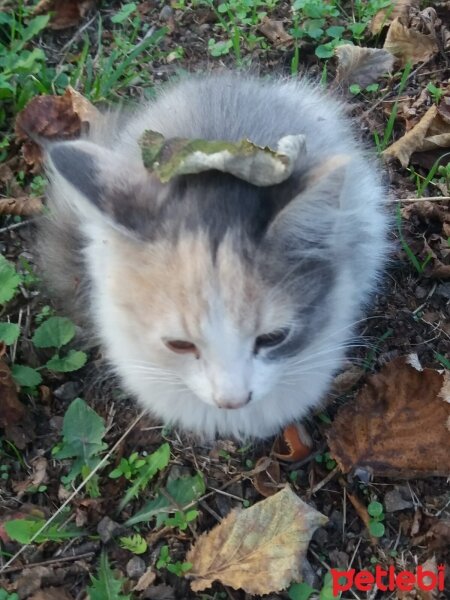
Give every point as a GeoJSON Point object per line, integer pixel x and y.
{"type": "Point", "coordinates": [224, 307]}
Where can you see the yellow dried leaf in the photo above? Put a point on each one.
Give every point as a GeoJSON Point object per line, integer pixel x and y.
{"type": "Point", "coordinates": [385, 16]}
{"type": "Point", "coordinates": [66, 13]}
{"type": "Point", "coordinates": [259, 549]}
{"type": "Point", "coordinates": [23, 206]}
{"type": "Point", "coordinates": [398, 426]}
{"type": "Point", "coordinates": [409, 45]}
{"type": "Point", "coordinates": [431, 132]}
{"type": "Point", "coordinates": [275, 32]}
{"type": "Point", "coordinates": [362, 65]}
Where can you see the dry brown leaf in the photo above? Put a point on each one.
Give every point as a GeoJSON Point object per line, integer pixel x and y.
{"type": "Point", "coordinates": [66, 13]}
{"type": "Point", "coordinates": [23, 206]}
{"type": "Point", "coordinates": [346, 380]}
{"type": "Point", "coordinates": [145, 580]}
{"type": "Point", "coordinates": [398, 426]}
{"type": "Point", "coordinates": [267, 480]}
{"type": "Point", "coordinates": [51, 593]}
{"type": "Point", "coordinates": [362, 65]}
{"type": "Point", "coordinates": [52, 118]}
{"type": "Point", "coordinates": [431, 132]}
{"type": "Point", "coordinates": [275, 32]}
{"type": "Point", "coordinates": [85, 110]}
{"type": "Point", "coordinates": [437, 537]}
{"type": "Point", "coordinates": [259, 549]}
{"type": "Point", "coordinates": [13, 411]}
{"type": "Point", "coordinates": [37, 477]}
{"type": "Point", "coordinates": [385, 16]}
{"type": "Point", "coordinates": [409, 45]}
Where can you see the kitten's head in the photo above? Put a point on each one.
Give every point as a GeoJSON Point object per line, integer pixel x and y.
{"type": "Point", "coordinates": [208, 283]}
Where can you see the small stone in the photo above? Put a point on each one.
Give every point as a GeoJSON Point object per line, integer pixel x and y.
{"type": "Point", "coordinates": [56, 423]}
{"type": "Point", "coordinates": [166, 13]}
{"type": "Point", "coordinates": [107, 529]}
{"type": "Point", "coordinates": [420, 292]}
{"type": "Point", "coordinates": [135, 567]}
{"type": "Point", "coordinates": [443, 290]}
{"type": "Point", "coordinates": [159, 592]}
{"type": "Point", "coordinates": [397, 499]}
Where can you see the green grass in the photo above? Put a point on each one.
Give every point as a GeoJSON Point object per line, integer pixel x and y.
{"type": "Point", "coordinates": [383, 143]}
{"type": "Point", "coordinates": [99, 72]}
{"type": "Point", "coordinates": [416, 262]}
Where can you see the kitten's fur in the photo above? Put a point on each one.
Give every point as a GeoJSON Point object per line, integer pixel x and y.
{"type": "Point", "coordinates": [216, 261]}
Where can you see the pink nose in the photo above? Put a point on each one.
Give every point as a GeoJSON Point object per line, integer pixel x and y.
{"type": "Point", "coordinates": [233, 404]}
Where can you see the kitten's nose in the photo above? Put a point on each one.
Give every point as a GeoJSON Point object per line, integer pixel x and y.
{"type": "Point", "coordinates": [232, 403]}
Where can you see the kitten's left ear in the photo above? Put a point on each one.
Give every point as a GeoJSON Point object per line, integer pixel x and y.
{"type": "Point", "coordinates": [310, 214]}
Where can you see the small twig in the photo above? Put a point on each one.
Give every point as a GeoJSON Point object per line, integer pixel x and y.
{"type": "Point", "coordinates": [18, 225]}
{"type": "Point", "coordinates": [51, 561]}
{"type": "Point", "coordinates": [422, 199]}
{"type": "Point", "coordinates": [324, 481]}
{"type": "Point", "coordinates": [394, 89]}
{"type": "Point", "coordinates": [74, 38]}
{"type": "Point", "coordinates": [74, 493]}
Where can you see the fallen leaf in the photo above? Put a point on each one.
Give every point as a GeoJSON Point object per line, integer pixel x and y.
{"type": "Point", "coordinates": [431, 132]}
{"type": "Point", "coordinates": [293, 444]}
{"type": "Point", "coordinates": [145, 580]}
{"type": "Point", "coordinates": [13, 411]}
{"type": "Point", "coordinates": [52, 118]}
{"type": "Point", "coordinates": [399, 424]}
{"type": "Point", "coordinates": [385, 16]}
{"type": "Point", "coordinates": [362, 65]}
{"type": "Point", "coordinates": [52, 593]}
{"type": "Point", "coordinates": [409, 45]}
{"type": "Point", "coordinates": [345, 381]}
{"type": "Point", "coordinates": [22, 206]}
{"type": "Point", "coordinates": [259, 549]}
{"type": "Point", "coordinates": [66, 13]}
{"type": "Point", "coordinates": [85, 110]}
{"type": "Point", "coordinates": [261, 166]}
{"type": "Point", "coordinates": [274, 31]}
{"type": "Point", "coordinates": [437, 537]}
{"type": "Point", "coordinates": [267, 480]}
{"type": "Point", "coordinates": [37, 477]}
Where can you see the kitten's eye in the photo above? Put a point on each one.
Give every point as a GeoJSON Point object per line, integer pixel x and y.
{"type": "Point", "coordinates": [270, 340]}
{"type": "Point", "coordinates": [182, 347]}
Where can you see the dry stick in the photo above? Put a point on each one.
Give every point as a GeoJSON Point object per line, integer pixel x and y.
{"type": "Point", "coordinates": [394, 89]}
{"type": "Point", "coordinates": [422, 199]}
{"type": "Point", "coordinates": [51, 561]}
{"type": "Point", "coordinates": [324, 481]}
{"type": "Point", "coordinates": [75, 492]}
{"type": "Point", "coordinates": [18, 225]}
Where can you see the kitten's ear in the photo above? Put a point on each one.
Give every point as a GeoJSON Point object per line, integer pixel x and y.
{"type": "Point", "coordinates": [79, 163]}
{"type": "Point", "coordinates": [311, 213]}
{"type": "Point", "coordinates": [95, 182]}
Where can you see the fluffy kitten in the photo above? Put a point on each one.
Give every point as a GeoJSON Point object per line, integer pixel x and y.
{"type": "Point", "coordinates": [224, 307]}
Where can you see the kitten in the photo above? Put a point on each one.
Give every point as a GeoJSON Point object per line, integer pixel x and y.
{"type": "Point", "coordinates": [224, 307]}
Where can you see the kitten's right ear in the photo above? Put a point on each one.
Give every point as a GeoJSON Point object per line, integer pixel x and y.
{"type": "Point", "coordinates": [97, 183]}
{"type": "Point", "coordinates": [79, 164]}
